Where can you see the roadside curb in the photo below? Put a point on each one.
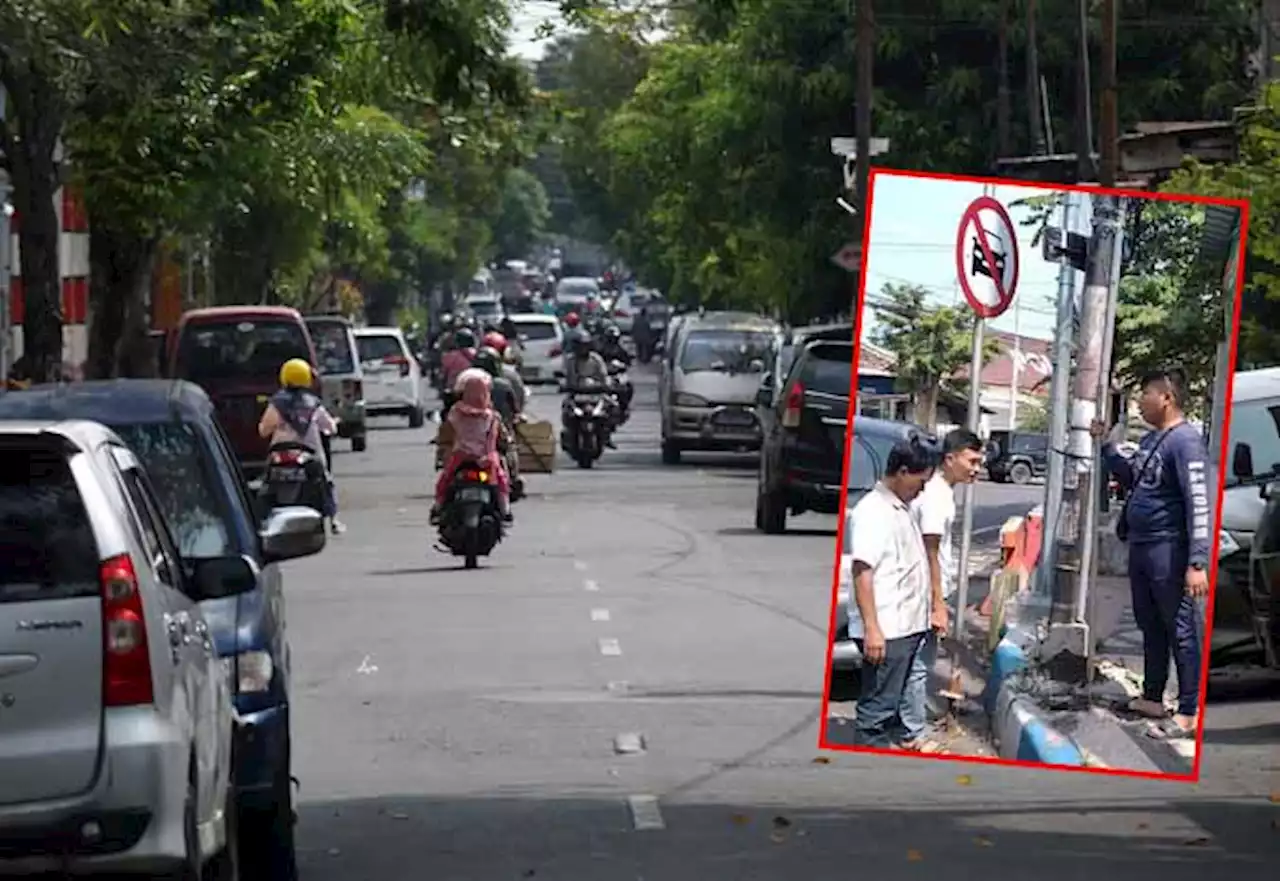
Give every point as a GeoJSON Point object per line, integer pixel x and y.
{"type": "Point", "coordinates": [1021, 730]}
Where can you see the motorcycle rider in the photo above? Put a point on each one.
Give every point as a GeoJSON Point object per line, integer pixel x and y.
{"type": "Point", "coordinates": [477, 428]}
{"type": "Point", "coordinates": [457, 359]}
{"type": "Point", "coordinates": [572, 320]}
{"type": "Point", "coordinates": [507, 401]}
{"type": "Point", "coordinates": [611, 347]}
{"type": "Point", "coordinates": [585, 367]}
{"type": "Point", "coordinates": [295, 415]}
{"type": "Point", "coordinates": [498, 342]}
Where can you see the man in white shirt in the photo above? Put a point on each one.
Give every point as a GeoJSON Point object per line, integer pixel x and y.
{"type": "Point", "coordinates": [935, 512]}
{"type": "Point", "coordinates": [889, 604]}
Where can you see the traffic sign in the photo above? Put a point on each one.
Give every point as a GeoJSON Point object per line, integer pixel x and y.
{"type": "Point", "coordinates": [848, 258]}
{"type": "Point", "coordinates": [987, 257]}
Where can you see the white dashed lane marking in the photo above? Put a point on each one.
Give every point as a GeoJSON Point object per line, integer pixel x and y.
{"type": "Point", "coordinates": [599, 614]}
{"type": "Point", "coordinates": [590, 586]}
{"type": "Point", "coordinates": [610, 647]}
{"type": "Point", "coordinates": [579, 565]}
{"type": "Point", "coordinates": [645, 813]}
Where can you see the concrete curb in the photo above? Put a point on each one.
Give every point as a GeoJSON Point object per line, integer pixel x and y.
{"type": "Point", "coordinates": [1020, 729]}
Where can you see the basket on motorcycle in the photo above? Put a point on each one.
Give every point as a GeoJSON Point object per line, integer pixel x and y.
{"type": "Point", "coordinates": [536, 444]}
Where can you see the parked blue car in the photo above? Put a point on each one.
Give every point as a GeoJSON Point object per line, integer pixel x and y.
{"type": "Point", "coordinates": [172, 428]}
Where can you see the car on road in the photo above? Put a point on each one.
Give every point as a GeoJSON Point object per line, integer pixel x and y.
{"type": "Point", "coordinates": [116, 723]}
{"type": "Point", "coordinates": [541, 347]}
{"type": "Point", "coordinates": [341, 376]}
{"type": "Point", "coordinates": [171, 427]}
{"type": "Point", "coordinates": [576, 294]}
{"type": "Point", "coordinates": [393, 377]}
{"type": "Point", "coordinates": [1017, 456]}
{"type": "Point", "coordinates": [710, 376]}
{"type": "Point", "coordinates": [235, 353]}
{"type": "Point", "coordinates": [793, 342]}
{"type": "Point", "coordinates": [869, 449]}
{"type": "Point", "coordinates": [802, 452]}
{"type": "Point", "coordinates": [626, 307]}
{"type": "Point", "coordinates": [485, 307]}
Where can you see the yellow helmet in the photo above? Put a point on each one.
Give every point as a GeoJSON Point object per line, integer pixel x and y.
{"type": "Point", "coordinates": [295, 373]}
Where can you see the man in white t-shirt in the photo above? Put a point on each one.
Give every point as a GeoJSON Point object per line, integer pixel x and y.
{"type": "Point", "coordinates": [889, 603]}
{"type": "Point", "coordinates": [935, 512]}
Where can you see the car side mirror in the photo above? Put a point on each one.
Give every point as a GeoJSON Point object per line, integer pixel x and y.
{"type": "Point", "coordinates": [764, 394]}
{"type": "Point", "coordinates": [1242, 461]}
{"type": "Point", "coordinates": [291, 532]}
{"type": "Point", "coordinates": [213, 578]}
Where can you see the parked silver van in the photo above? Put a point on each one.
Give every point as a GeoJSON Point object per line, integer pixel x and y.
{"type": "Point", "coordinates": [710, 373]}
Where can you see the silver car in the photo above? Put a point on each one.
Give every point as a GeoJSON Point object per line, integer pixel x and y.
{"type": "Point", "coordinates": [711, 372]}
{"type": "Point", "coordinates": [115, 711]}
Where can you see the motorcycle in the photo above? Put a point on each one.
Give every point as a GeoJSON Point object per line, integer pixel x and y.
{"type": "Point", "coordinates": [295, 475]}
{"type": "Point", "coordinates": [470, 521]}
{"type": "Point", "coordinates": [623, 389]}
{"type": "Point", "coordinates": [586, 425]}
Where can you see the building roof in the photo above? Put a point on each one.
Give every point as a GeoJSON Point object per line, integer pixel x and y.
{"type": "Point", "coordinates": [1036, 366]}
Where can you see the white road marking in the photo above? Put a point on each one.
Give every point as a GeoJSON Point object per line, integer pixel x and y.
{"type": "Point", "coordinates": [367, 668]}
{"type": "Point", "coordinates": [617, 686]}
{"type": "Point", "coordinates": [590, 585]}
{"type": "Point", "coordinates": [610, 647]}
{"type": "Point", "coordinates": [599, 614]}
{"type": "Point", "coordinates": [629, 743]}
{"type": "Point", "coordinates": [645, 813]}
{"type": "Point", "coordinates": [579, 565]}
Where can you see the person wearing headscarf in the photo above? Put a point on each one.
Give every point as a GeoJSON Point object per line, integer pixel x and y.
{"type": "Point", "coordinates": [476, 428]}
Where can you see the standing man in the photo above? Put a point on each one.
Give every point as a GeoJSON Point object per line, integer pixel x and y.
{"type": "Point", "coordinates": [935, 513]}
{"type": "Point", "coordinates": [889, 607]}
{"type": "Point", "coordinates": [1167, 524]}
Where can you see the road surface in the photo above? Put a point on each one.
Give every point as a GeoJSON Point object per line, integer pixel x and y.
{"type": "Point", "coordinates": [477, 726]}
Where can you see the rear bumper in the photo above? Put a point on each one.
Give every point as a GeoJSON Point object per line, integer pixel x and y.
{"type": "Point", "coordinates": [136, 802]}
{"type": "Point", "coordinates": [693, 428]}
{"type": "Point", "coordinates": [819, 494]}
{"type": "Point", "coordinates": [262, 756]}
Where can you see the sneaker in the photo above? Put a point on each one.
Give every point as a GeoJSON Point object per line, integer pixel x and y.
{"type": "Point", "coordinates": [336, 526]}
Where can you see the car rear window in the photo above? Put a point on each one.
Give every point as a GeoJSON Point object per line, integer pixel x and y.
{"type": "Point", "coordinates": [333, 346]}
{"type": "Point", "coordinates": [828, 369]}
{"type": "Point", "coordinates": [178, 466]}
{"type": "Point", "coordinates": [378, 348]}
{"type": "Point", "coordinates": [725, 350]}
{"type": "Point", "coordinates": [537, 330]}
{"type": "Point", "coordinates": [485, 308]}
{"type": "Point", "coordinates": [239, 349]}
{"type": "Point", "coordinates": [868, 455]}
{"type": "Point", "coordinates": [47, 548]}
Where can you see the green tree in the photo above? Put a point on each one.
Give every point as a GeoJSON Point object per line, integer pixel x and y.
{"type": "Point", "coordinates": [523, 215]}
{"type": "Point", "coordinates": [931, 344]}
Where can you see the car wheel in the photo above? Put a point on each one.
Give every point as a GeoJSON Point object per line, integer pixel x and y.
{"type": "Point", "coordinates": [1020, 473]}
{"type": "Point", "coordinates": [670, 453]}
{"type": "Point", "coordinates": [266, 842]}
{"type": "Point", "coordinates": [416, 417]}
{"type": "Point", "coordinates": [359, 443]}
{"type": "Point", "coordinates": [771, 513]}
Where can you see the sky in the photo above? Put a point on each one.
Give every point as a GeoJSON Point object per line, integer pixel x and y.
{"type": "Point", "coordinates": [914, 222]}
{"type": "Point", "coordinates": [526, 16]}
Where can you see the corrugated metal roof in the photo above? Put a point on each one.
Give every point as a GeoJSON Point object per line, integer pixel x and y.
{"type": "Point", "coordinates": [1220, 233]}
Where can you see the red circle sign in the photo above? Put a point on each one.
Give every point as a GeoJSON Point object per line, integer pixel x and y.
{"type": "Point", "coordinates": [976, 258]}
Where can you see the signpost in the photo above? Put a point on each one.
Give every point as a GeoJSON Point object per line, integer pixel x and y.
{"type": "Point", "coordinates": [987, 268]}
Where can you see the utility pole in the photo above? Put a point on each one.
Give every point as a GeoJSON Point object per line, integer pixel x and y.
{"type": "Point", "coordinates": [1066, 649]}
{"type": "Point", "coordinates": [1109, 169]}
{"type": "Point", "coordinates": [865, 58]}
{"type": "Point", "coordinates": [1084, 100]}
{"type": "Point", "coordinates": [1034, 129]}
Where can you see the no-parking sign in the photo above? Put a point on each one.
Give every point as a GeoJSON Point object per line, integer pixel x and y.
{"type": "Point", "coordinates": [987, 257]}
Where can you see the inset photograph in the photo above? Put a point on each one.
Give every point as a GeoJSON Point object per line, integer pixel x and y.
{"type": "Point", "coordinates": [1029, 540]}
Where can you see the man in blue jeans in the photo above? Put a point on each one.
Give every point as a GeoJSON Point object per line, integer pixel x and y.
{"type": "Point", "coordinates": [889, 605]}
{"type": "Point", "coordinates": [1170, 526]}
{"type": "Point", "coordinates": [935, 512]}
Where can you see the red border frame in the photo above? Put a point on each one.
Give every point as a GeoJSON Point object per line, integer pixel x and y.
{"type": "Point", "coordinates": [1243, 206]}
{"type": "Point", "coordinates": [982, 310]}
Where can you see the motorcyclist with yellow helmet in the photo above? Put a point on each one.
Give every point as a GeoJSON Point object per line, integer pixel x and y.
{"type": "Point", "coordinates": [295, 415]}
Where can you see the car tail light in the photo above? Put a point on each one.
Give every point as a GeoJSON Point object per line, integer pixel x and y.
{"type": "Point", "coordinates": [556, 351]}
{"type": "Point", "coordinates": [622, 313]}
{"type": "Point", "coordinates": [401, 360]}
{"type": "Point", "coordinates": [285, 457]}
{"type": "Point", "coordinates": [795, 403]}
{"type": "Point", "coordinates": [126, 658]}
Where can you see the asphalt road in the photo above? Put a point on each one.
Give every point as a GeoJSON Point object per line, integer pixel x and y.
{"type": "Point", "coordinates": [466, 725]}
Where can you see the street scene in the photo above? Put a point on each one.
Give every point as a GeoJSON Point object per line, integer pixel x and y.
{"type": "Point", "coordinates": [429, 428]}
{"type": "Point", "coordinates": [1042, 654]}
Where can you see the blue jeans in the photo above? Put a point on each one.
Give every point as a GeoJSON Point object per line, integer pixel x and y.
{"type": "Point", "coordinates": [879, 721]}
{"type": "Point", "coordinates": [1168, 619]}
{"type": "Point", "coordinates": [915, 697]}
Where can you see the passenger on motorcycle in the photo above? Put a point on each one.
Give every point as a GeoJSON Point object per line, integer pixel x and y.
{"type": "Point", "coordinates": [498, 342]}
{"type": "Point", "coordinates": [295, 415]}
{"type": "Point", "coordinates": [477, 428]}
{"type": "Point", "coordinates": [585, 367]}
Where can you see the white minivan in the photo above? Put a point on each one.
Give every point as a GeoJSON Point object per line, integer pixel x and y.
{"type": "Point", "coordinates": [541, 347]}
{"type": "Point", "coordinates": [392, 377]}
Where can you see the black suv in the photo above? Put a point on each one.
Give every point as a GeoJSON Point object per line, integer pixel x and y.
{"type": "Point", "coordinates": [803, 428]}
{"type": "Point", "coordinates": [1017, 456]}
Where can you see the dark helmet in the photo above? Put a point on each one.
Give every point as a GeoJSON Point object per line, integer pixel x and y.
{"type": "Point", "coordinates": [612, 333]}
{"type": "Point", "coordinates": [446, 320]}
{"type": "Point", "coordinates": [463, 338]}
{"type": "Point", "coordinates": [488, 360]}
{"type": "Point", "coordinates": [580, 342]}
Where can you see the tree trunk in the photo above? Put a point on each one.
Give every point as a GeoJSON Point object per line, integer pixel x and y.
{"type": "Point", "coordinates": [1035, 130]}
{"type": "Point", "coordinates": [121, 265]}
{"type": "Point", "coordinates": [1004, 110]}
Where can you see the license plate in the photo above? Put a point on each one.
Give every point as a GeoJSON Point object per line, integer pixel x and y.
{"type": "Point", "coordinates": [473, 494]}
{"type": "Point", "coordinates": [734, 419]}
{"type": "Point", "coordinates": [287, 475]}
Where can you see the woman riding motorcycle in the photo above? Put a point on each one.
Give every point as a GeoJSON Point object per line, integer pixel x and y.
{"type": "Point", "coordinates": [456, 360]}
